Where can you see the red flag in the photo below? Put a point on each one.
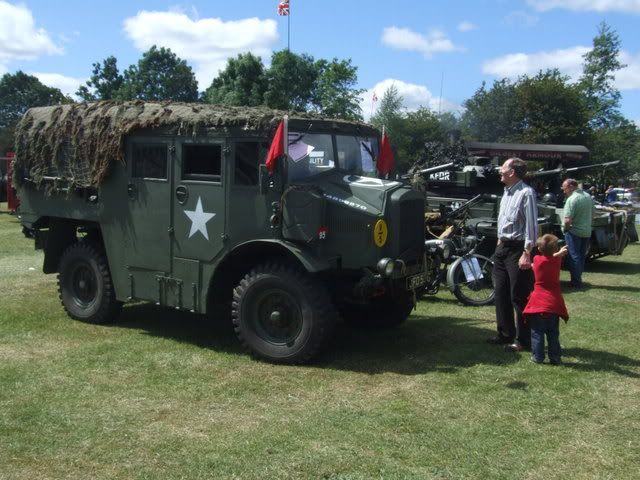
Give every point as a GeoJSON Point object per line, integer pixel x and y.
{"type": "Point", "coordinates": [386, 162]}
{"type": "Point", "coordinates": [283, 8]}
{"type": "Point", "coordinates": [277, 148]}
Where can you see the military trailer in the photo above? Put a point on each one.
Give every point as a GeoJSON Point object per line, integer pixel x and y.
{"type": "Point", "coordinates": [173, 204]}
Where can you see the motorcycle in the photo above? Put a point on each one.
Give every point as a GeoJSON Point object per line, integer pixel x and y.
{"type": "Point", "coordinates": [451, 245]}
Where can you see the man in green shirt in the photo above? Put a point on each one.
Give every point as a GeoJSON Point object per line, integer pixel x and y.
{"type": "Point", "coordinates": [576, 226]}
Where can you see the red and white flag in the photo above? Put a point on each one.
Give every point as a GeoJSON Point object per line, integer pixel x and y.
{"type": "Point", "coordinates": [283, 8]}
{"type": "Point", "coordinates": [277, 148]}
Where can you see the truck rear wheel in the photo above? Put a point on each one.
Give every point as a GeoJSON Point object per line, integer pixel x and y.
{"type": "Point", "coordinates": [282, 315]}
{"type": "Point", "coordinates": [85, 286]}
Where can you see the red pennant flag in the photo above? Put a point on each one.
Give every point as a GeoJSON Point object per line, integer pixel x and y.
{"type": "Point", "coordinates": [276, 149]}
{"type": "Point", "coordinates": [386, 161]}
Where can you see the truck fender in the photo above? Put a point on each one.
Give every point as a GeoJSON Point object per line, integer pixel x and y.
{"type": "Point", "coordinates": [311, 263]}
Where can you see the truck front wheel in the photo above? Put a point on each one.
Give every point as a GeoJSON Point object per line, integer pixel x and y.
{"type": "Point", "coordinates": [85, 286]}
{"type": "Point", "coordinates": [281, 314]}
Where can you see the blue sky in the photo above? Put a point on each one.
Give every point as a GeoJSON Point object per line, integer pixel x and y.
{"type": "Point", "coordinates": [424, 48]}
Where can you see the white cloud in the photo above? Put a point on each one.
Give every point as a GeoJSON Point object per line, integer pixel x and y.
{"type": "Point", "coordinates": [3, 70]}
{"type": "Point", "coordinates": [404, 39]}
{"type": "Point", "coordinates": [67, 85]}
{"type": "Point", "coordinates": [466, 26]}
{"type": "Point", "coordinates": [19, 38]}
{"type": "Point", "coordinates": [629, 77]}
{"type": "Point", "coordinates": [413, 96]}
{"type": "Point", "coordinates": [629, 6]}
{"type": "Point", "coordinates": [569, 61]}
{"type": "Point", "coordinates": [206, 43]}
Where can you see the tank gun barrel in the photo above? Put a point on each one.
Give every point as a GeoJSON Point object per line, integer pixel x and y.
{"type": "Point", "coordinates": [560, 171]}
{"type": "Point", "coordinates": [430, 170]}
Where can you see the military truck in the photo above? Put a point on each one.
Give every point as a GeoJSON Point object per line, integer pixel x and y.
{"type": "Point", "coordinates": [173, 203]}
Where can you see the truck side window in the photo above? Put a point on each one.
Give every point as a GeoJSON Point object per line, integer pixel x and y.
{"type": "Point", "coordinates": [202, 162]}
{"type": "Point", "coordinates": [149, 161]}
{"type": "Point", "coordinates": [247, 160]}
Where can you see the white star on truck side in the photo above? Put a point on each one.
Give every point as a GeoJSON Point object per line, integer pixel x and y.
{"type": "Point", "coordinates": [199, 219]}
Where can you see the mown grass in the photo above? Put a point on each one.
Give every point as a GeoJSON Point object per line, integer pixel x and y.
{"type": "Point", "coordinates": [161, 394]}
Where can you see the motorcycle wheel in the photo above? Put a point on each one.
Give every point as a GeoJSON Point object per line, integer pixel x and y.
{"type": "Point", "coordinates": [476, 292]}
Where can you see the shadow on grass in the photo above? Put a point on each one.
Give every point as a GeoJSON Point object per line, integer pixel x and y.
{"type": "Point", "coordinates": [184, 327]}
{"type": "Point", "coordinates": [607, 266]}
{"type": "Point", "coordinates": [599, 361]}
{"type": "Point", "coordinates": [568, 289]}
{"type": "Point", "coordinates": [421, 344]}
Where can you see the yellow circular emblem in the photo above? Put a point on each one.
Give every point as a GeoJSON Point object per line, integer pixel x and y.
{"type": "Point", "coordinates": [380, 233]}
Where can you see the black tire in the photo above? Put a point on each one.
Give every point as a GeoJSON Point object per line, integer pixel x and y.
{"type": "Point", "coordinates": [282, 315]}
{"type": "Point", "coordinates": [477, 292]}
{"type": "Point", "coordinates": [386, 311]}
{"type": "Point", "coordinates": [85, 286]}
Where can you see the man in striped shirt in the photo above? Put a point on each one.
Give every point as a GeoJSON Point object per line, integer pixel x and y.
{"type": "Point", "coordinates": [512, 275]}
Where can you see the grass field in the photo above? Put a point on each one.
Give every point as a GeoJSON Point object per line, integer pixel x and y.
{"type": "Point", "coordinates": [161, 394]}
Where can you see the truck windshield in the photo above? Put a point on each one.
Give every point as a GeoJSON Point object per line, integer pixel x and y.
{"type": "Point", "coordinates": [313, 153]}
{"type": "Point", "coordinates": [357, 154]}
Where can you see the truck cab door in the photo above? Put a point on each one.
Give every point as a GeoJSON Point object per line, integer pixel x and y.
{"type": "Point", "coordinates": [144, 222]}
{"type": "Point", "coordinates": [198, 203]}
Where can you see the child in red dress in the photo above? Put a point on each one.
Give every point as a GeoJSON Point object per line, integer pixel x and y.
{"type": "Point", "coordinates": [546, 305]}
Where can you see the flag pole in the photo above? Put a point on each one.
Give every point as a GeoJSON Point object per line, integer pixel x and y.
{"type": "Point", "coordinates": [289, 29]}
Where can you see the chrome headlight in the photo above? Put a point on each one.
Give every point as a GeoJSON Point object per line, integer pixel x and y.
{"type": "Point", "coordinates": [447, 250]}
{"type": "Point", "coordinates": [386, 266]}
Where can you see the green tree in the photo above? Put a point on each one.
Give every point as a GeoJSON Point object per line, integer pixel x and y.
{"type": "Point", "coordinates": [242, 82]}
{"type": "Point", "coordinates": [490, 114]}
{"type": "Point", "coordinates": [104, 83]}
{"type": "Point", "coordinates": [18, 93]}
{"type": "Point", "coordinates": [335, 92]}
{"type": "Point", "coordinates": [291, 80]}
{"type": "Point", "coordinates": [599, 67]}
{"type": "Point", "coordinates": [159, 75]}
{"type": "Point", "coordinates": [550, 110]}
{"type": "Point", "coordinates": [418, 129]}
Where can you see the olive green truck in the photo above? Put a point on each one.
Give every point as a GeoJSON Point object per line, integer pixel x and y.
{"type": "Point", "coordinates": [173, 203]}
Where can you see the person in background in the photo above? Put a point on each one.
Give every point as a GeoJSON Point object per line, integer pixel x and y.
{"type": "Point", "coordinates": [546, 305]}
{"type": "Point", "coordinates": [512, 275]}
{"type": "Point", "coordinates": [576, 227]}
{"type": "Point", "coordinates": [610, 195]}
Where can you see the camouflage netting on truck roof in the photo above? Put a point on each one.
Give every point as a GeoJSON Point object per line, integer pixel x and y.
{"type": "Point", "coordinates": [79, 142]}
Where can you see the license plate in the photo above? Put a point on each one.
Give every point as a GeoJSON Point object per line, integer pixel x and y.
{"type": "Point", "coordinates": [416, 281]}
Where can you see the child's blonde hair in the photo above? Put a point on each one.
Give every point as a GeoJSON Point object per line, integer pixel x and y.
{"type": "Point", "coordinates": [547, 244]}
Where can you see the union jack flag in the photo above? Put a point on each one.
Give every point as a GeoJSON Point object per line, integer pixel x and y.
{"type": "Point", "coordinates": [283, 8]}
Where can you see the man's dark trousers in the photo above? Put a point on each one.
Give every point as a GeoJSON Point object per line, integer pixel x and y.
{"type": "Point", "coordinates": [513, 287]}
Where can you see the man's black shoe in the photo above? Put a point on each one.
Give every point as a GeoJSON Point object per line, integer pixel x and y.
{"type": "Point", "coordinates": [499, 340]}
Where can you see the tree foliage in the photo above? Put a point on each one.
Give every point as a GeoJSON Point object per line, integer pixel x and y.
{"type": "Point", "coordinates": [242, 82]}
{"type": "Point", "coordinates": [599, 67]}
{"type": "Point", "coordinates": [550, 110]}
{"type": "Point", "coordinates": [19, 92]}
{"type": "Point", "coordinates": [159, 75]}
{"type": "Point", "coordinates": [290, 81]}
{"type": "Point", "coordinates": [335, 92]}
{"type": "Point", "coordinates": [491, 114]}
{"type": "Point", "coordinates": [104, 82]}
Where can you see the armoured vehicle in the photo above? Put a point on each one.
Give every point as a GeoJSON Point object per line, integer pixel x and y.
{"type": "Point", "coordinates": [173, 203]}
{"type": "Point", "coordinates": [476, 173]}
